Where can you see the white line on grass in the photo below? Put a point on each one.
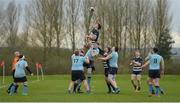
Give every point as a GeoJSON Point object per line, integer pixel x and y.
{"type": "Point", "coordinates": [4, 86]}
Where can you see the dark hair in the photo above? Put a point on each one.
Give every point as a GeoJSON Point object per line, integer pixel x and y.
{"type": "Point", "coordinates": [109, 49]}
{"type": "Point", "coordinates": [76, 52]}
{"type": "Point", "coordinates": [99, 26]}
{"type": "Point", "coordinates": [155, 50]}
{"type": "Point", "coordinates": [20, 56]}
{"type": "Point", "coordinates": [116, 49]}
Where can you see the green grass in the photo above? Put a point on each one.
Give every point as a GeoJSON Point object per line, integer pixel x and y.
{"type": "Point", "coordinates": [54, 89]}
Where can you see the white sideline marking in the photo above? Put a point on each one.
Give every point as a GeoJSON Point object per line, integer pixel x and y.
{"type": "Point", "coordinates": [4, 86]}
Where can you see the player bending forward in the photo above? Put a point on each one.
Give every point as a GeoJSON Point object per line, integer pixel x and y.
{"type": "Point", "coordinates": [156, 67]}
{"type": "Point", "coordinates": [77, 70]}
{"type": "Point", "coordinates": [113, 64]}
{"type": "Point", "coordinates": [20, 75]}
{"type": "Point", "coordinates": [136, 62]}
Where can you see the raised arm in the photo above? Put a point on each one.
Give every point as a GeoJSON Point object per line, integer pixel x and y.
{"type": "Point", "coordinates": [87, 60]}
{"type": "Point", "coordinates": [106, 58]}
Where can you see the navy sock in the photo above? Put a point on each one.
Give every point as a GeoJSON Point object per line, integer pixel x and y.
{"type": "Point", "coordinates": [9, 88]}
{"type": "Point", "coordinates": [113, 88]}
{"type": "Point", "coordinates": [109, 86]}
{"type": "Point", "coordinates": [16, 87]}
{"type": "Point", "coordinates": [150, 88]}
{"type": "Point", "coordinates": [12, 90]}
{"type": "Point", "coordinates": [157, 90]}
{"type": "Point", "coordinates": [89, 81]}
{"type": "Point", "coordinates": [25, 89]}
{"type": "Point", "coordinates": [75, 86]}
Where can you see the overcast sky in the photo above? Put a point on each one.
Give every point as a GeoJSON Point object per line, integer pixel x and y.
{"type": "Point", "coordinates": [175, 11]}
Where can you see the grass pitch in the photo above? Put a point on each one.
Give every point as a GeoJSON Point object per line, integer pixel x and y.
{"type": "Point", "coordinates": [54, 89]}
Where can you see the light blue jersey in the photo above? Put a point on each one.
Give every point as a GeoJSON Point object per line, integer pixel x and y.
{"type": "Point", "coordinates": [155, 62]}
{"type": "Point", "coordinates": [113, 62]}
{"type": "Point", "coordinates": [89, 53]}
{"type": "Point", "coordinates": [77, 62]}
{"type": "Point", "coordinates": [20, 68]}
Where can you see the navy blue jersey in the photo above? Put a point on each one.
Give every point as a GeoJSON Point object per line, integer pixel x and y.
{"type": "Point", "coordinates": [106, 62]}
{"type": "Point", "coordinates": [95, 32]}
{"type": "Point", "coordinates": [138, 60]}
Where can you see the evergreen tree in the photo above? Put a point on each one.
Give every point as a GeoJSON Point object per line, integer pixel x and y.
{"type": "Point", "coordinates": [165, 44]}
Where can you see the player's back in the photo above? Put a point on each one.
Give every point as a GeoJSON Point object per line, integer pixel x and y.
{"type": "Point", "coordinates": [20, 68]}
{"type": "Point", "coordinates": [155, 61]}
{"type": "Point", "coordinates": [113, 62]}
{"type": "Point", "coordinates": [89, 53]}
{"type": "Point", "coordinates": [77, 62]}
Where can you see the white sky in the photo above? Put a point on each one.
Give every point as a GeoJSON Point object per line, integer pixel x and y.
{"type": "Point", "coordinates": [175, 11]}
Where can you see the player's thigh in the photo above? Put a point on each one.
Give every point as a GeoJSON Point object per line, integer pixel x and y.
{"type": "Point", "coordinates": [138, 77]}
{"type": "Point", "coordinates": [156, 81]}
{"type": "Point", "coordinates": [89, 70]}
{"type": "Point", "coordinates": [133, 76]}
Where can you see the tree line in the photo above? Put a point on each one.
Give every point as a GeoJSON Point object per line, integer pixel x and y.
{"type": "Point", "coordinates": [54, 24]}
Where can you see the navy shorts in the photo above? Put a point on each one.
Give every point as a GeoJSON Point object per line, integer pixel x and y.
{"type": "Point", "coordinates": [154, 74]}
{"type": "Point", "coordinates": [113, 70]}
{"type": "Point", "coordinates": [20, 80]}
{"type": "Point", "coordinates": [136, 72]}
{"type": "Point", "coordinates": [77, 74]}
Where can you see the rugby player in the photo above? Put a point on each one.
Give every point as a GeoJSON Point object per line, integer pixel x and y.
{"type": "Point", "coordinates": [77, 70]}
{"type": "Point", "coordinates": [153, 91]}
{"type": "Point", "coordinates": [156, 67]}
{"type": "Point", "coordinates": [94, 34]}
{"type": "Point", "coordinates": [77, 83]}
{"type": "Point", "coordinates": [113, 64]}
{"type": "Point", "coordinates": [20, 75]}
{"type": "Point", "coordinates": [136, 62]}
{"type": "Point", "coordinates": [15, 60]}
{"type": "Point", "coordinates": [91, 53]}
{"type": "Point", "coordinates": [111, 89]}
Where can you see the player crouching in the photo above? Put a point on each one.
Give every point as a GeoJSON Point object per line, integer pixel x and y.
{"type": "Point", "coordinates": [20, 75]}
{"type": "Point", "coordinates": [77, 70]}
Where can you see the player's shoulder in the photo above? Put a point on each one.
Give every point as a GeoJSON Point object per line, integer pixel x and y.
{"type": "Point", "coordinates": [141, 58]}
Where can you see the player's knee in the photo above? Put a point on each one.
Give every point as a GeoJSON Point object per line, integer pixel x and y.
{"type": "Point", "coordinates": [89, 72]}
{"type": "Point", "coordinates": [15, 84]}
{"type": "Point", "coordinates": [110, 77]}
{"type": "Point", "coordinates": [25, 83]}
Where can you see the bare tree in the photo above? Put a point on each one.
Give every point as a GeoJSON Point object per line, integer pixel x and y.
{"type": "Point", "coordinates": [12, 23]}
{"type": "Point", "coordinates": [161, 18]}
{"type": "Point", "coordinates": [73, 8]}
